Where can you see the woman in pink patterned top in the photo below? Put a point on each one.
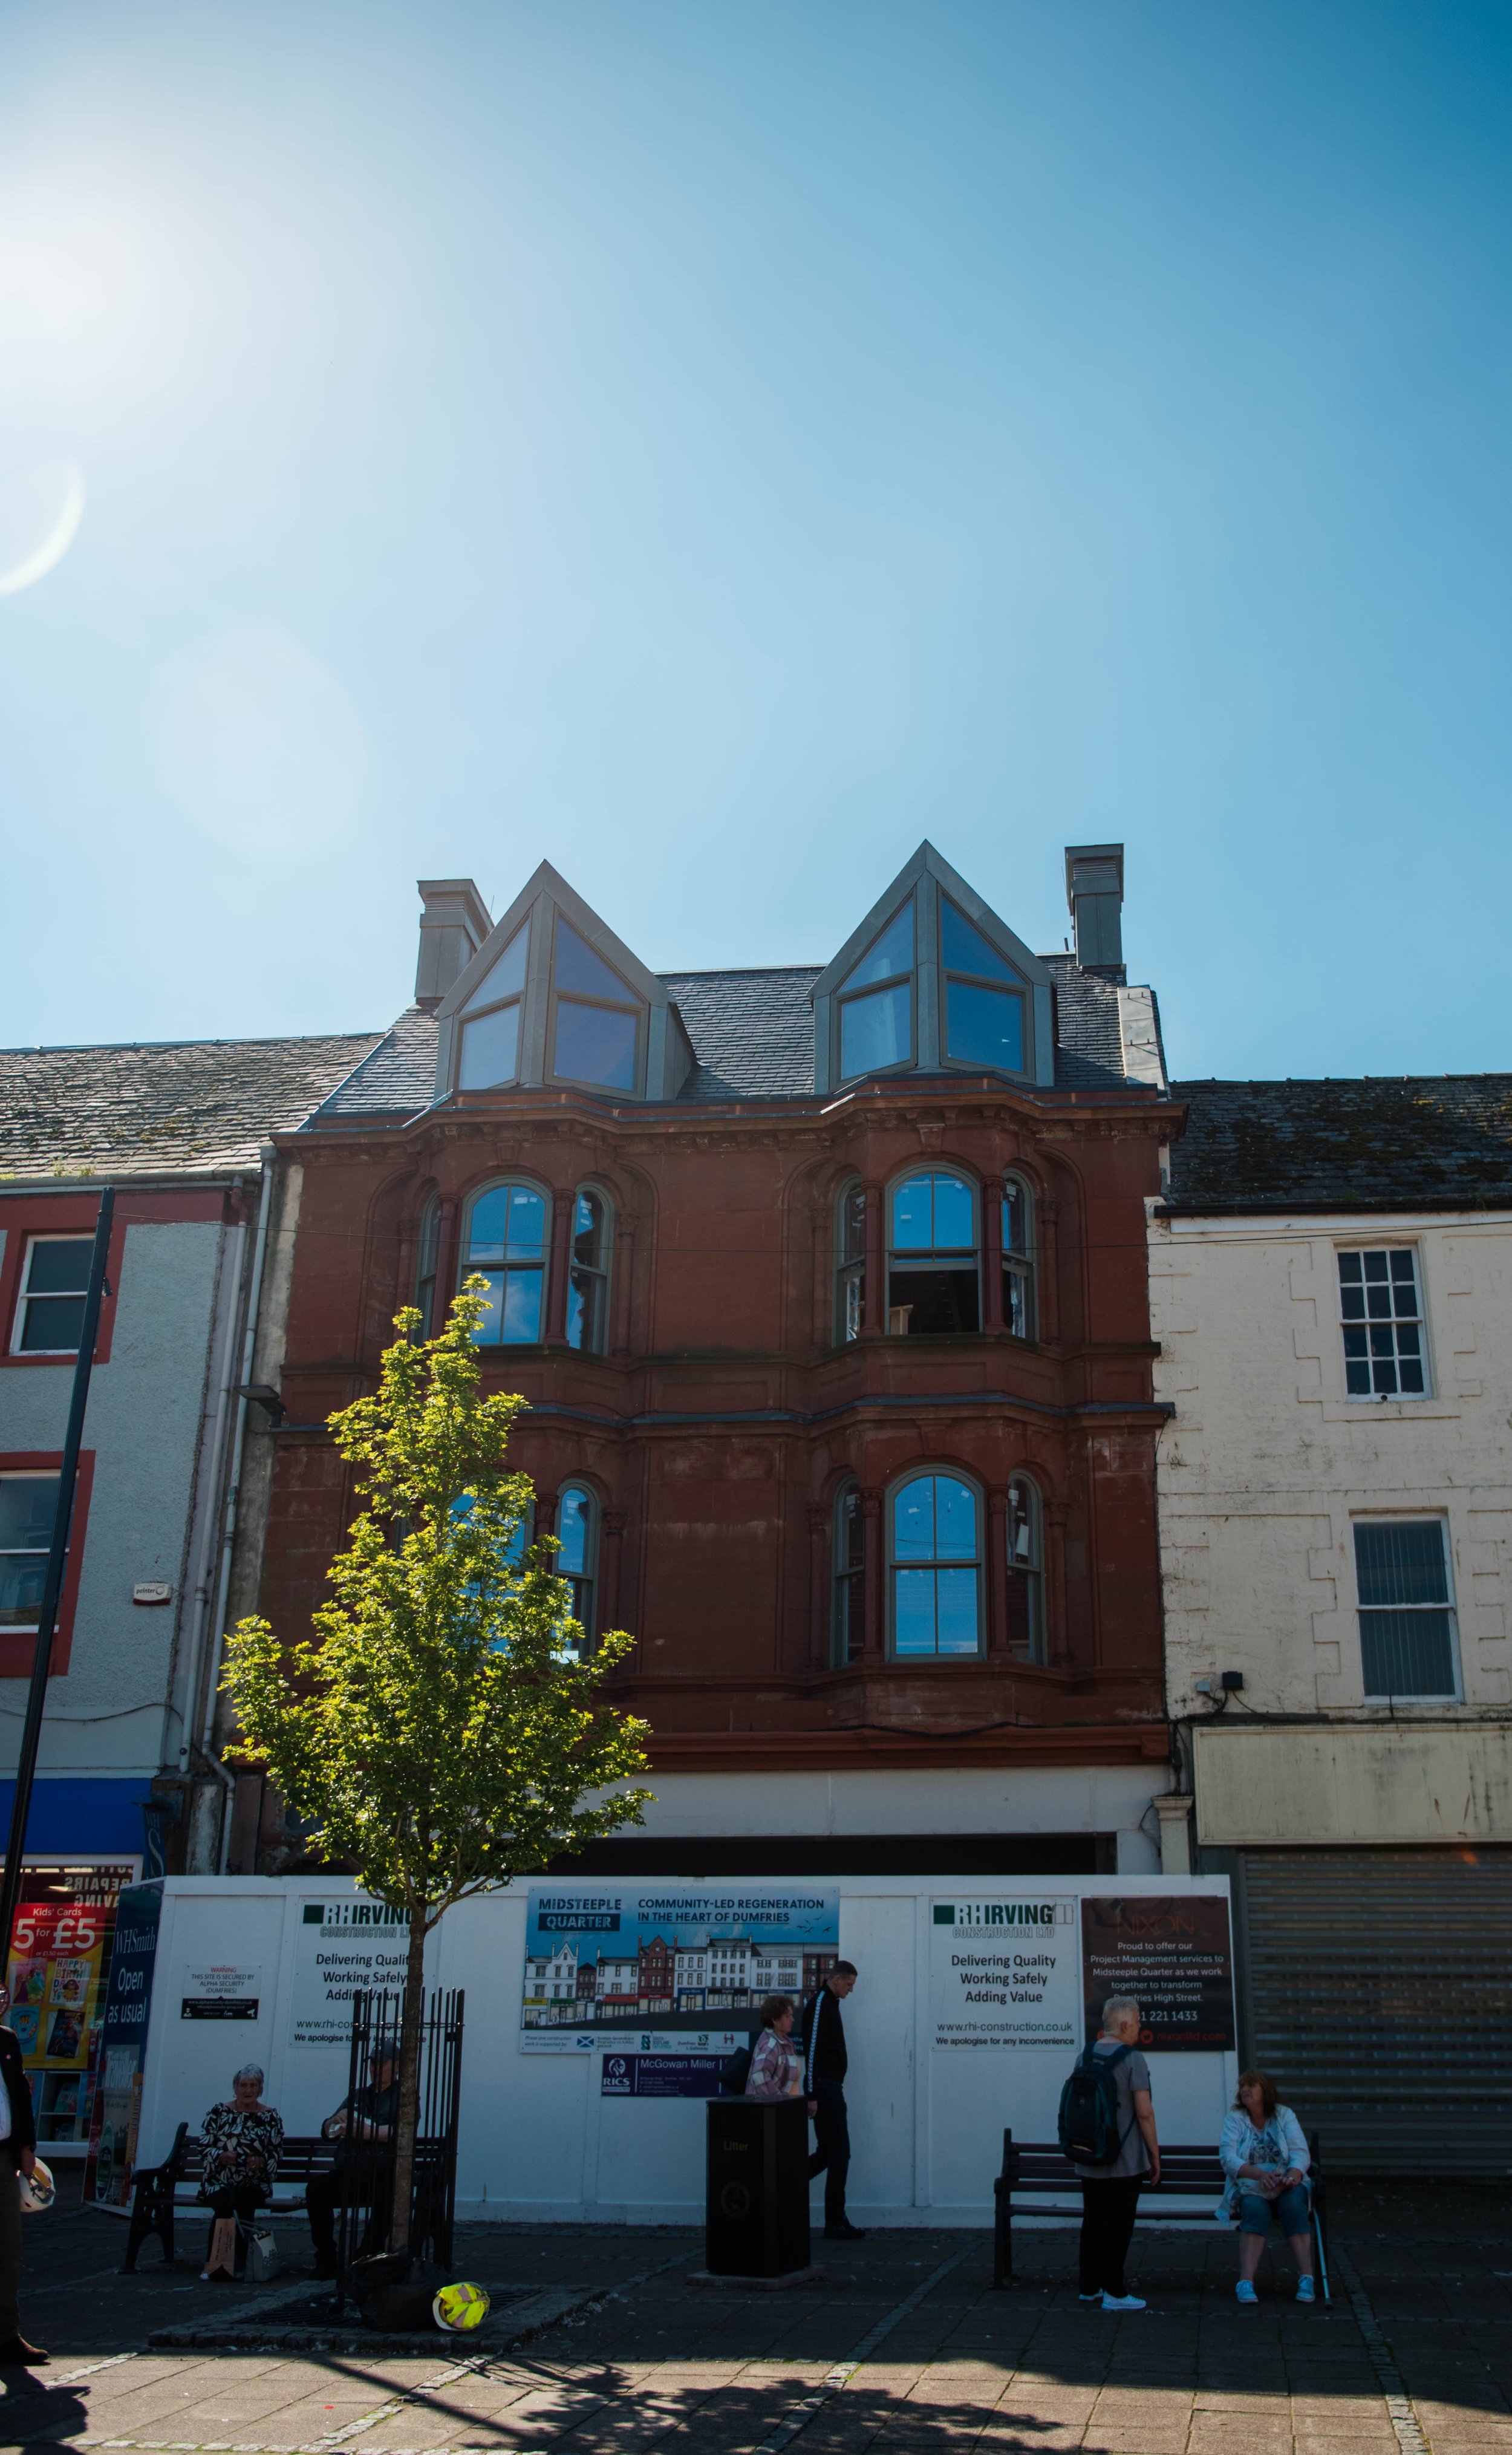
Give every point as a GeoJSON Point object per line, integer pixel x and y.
{"type": "Point", "coordinates": [777, 2066]}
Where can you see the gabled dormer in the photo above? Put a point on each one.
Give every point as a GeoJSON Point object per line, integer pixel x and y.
{"type": "Point", "coordinates": [932, 983]}
{"type": "Point", "coordinates": [552, 995]}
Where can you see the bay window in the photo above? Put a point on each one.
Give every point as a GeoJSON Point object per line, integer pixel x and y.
{"type": "Point", "coordinates": [933, 1281]}
{"type": "Point", "coordinates": [935, 1569]}
{"type": "Point", "coordinates": [505, 1239]}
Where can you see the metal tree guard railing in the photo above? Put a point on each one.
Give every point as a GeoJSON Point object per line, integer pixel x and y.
{"type": "Point", "coordinates": [366, 2166]}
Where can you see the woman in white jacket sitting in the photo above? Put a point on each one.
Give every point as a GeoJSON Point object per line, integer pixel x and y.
{"type": "Point", "coordinates": [1264, 2155]}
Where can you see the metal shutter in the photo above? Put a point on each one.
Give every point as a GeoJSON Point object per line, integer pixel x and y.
{"type": "Point", "coordinates": [1381, 2000]}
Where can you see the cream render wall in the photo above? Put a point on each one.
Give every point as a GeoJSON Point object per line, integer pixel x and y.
{"type": "Point", "coordinates": [1266, 1462]}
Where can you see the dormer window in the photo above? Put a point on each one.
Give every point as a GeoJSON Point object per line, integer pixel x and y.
{"type": "Point", "coordinates": [877, 1002]}
{"type": "Point", "coordinates": [491, 1019]}
{"type": "Point", "coordinates": [596, 1018]}
{"type": "Point", "coordinates": [552, 995]}
{"type": "Point", "coordinates": [931, 980]}
{"type": "Point", "coordinates": [984, 997]}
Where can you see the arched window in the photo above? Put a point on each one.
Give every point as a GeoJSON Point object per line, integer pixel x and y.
{"type": "Point", "coordinates": [849, 1610]}
{"type": "Point", "coordinates": [491, 1019]}
{"type": "Point", "coordinates": [1019, 1309]}
{"type": "Point", "coordinates": [588, 1276]}
{"type": "Point", "coordinates": [595, 1016]}
{"type": "Point", "coordinates": [577, 1560]}
{"type": "Point", "coordinates": [506, 1239]}
{"type": "Point", "coordinates": [425, 1266]}
{"type": "Point", "coordinates": [1026, 1600]}
{"type": "Point", "coordinates": [850, 1262]}
{"type": "Point", "coordinates": [875, 1001]}
{"type": "Point", "coordinates": [935, 1525]}
{"type": "Point", "coordinates": [933, 1282]}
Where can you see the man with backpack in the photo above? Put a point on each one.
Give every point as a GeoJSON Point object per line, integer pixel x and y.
{"type": "Point", "coordinates": [1107, 2131]}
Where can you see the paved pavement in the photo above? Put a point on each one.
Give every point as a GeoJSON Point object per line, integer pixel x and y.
{"type": "Point", "coordinates": [902, 2344]}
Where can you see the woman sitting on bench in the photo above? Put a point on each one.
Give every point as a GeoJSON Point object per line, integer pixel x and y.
{"type": "Point", "coordinates": [1263, 2151]}
{"type": "Point", "coordinates": [242, 2138]}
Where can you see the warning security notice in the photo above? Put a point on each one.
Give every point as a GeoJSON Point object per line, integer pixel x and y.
{"type": "Point", "coordinates": [1005, 1971]}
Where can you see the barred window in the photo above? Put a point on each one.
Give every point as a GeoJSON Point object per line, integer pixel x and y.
{"type": "Point", "coordinates": [1382, 1312]}
{"type": "Point", "coordinates": [1406, 1617]}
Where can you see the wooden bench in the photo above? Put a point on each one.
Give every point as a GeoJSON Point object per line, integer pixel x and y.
{"type": "Point", "coordinates": [158, 2190]}
{"type": "Point", "coordinates": [1039, 2168]}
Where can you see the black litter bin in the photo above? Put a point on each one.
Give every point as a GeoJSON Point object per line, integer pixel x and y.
{"type": "Point", "coordinates": [758, 2221]}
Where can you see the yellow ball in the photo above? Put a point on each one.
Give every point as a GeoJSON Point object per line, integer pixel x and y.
{"type": "Point", "coordinates": [457, 2307]}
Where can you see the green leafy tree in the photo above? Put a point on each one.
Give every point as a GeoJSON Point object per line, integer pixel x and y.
{"type": "Point", "coordinates": [443, 1728]}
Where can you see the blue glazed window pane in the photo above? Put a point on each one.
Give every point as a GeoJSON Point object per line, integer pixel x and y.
{"type": "Point", "coordinates": [486, 1333]}
{"type": "Point", "coordinates": [956, 1609]}
{"type": "Point", "coordinates": [890, 957]}
{"type": "Point", "coordinates": [913, 1215]}
{"type": "Point", "coordinates": [955, 1215]}
{"type": "Point", "coordinates": [954, 1519]}
{"type": "Point", "coordinates": [966, 951]}
{"type": "Point", "coordinates": [913, 1611]}
{"type": "Point", "coordinates": [595, 1044]}
{"type": "Point", "coordinates": [507, 1224]}
{"type": "Point", "coordinates": [913, 1520]}
{"type": "Point", "coordinates": [984, 1026]}
{"type": "Point", "coordinates": [504, 979]}
{"type": "Point", "coordinates": [572, 1528]}
{"type": "Point", "coordinates": [490, 1046]}
{"type": "Point", "coordinates": [522, 1308]}
{"type": "Point", "coordinates": [875, 1030]}
{"type": "Point", "coordinates": [578, 967]}
{"type": "Point", "coordinates": [527, 1224]}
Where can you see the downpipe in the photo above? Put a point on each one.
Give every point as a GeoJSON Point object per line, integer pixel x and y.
{"type": "Point", "coordinates": [217, 1644]}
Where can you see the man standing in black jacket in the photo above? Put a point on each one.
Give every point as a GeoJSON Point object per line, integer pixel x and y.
{"type": "Point", "coordinates": [824, 2080]}
{"type": "Point", "coordinates": [18, 2154]}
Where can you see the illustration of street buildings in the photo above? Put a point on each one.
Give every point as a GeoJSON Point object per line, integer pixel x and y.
{"type": "Point", "coordinates": [712, 1974]}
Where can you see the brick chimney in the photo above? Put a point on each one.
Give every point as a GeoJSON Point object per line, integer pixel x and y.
{"type": "Point", "coordinates": [454, 923]}
{"type": "Point", "coordinates": [1095, 899]}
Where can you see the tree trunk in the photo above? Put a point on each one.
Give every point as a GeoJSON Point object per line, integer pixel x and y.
{"type": "Point", "coordinates": [409, 2081]}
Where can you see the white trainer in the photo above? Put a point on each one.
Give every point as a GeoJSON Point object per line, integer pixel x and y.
{"type": "Point", "coordinates": [1122, 2302]}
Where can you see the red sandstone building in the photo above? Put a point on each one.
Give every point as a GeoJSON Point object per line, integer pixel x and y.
{"type": "Point", "coordinates": [827, 1289]}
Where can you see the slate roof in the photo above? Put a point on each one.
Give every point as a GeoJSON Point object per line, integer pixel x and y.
{"type": "Point", "coordinates": [397, 1078]}
{"type": "Point", "coordinates": [752, 1032]}
{"type": "Point", "coordinates": [754, 1035]}
{"type": "Point", "coordinates": [1089, 1045]}
{"type": "Point", "coordinates": [1386, 1142]}
{"type": "Point", "coordinates": [146, 1107]}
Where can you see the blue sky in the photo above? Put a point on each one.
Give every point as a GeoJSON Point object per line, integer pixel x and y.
{"type": "Point", "coordinates": [715, 445]}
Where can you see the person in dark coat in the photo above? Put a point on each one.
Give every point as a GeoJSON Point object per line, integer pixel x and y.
{"type": "Point", "coordinates": [363, 2173]}
{"type": "Point", "coordinates": [824, 2064]}
{"type": "Point", "coordinates": [18, 2155]}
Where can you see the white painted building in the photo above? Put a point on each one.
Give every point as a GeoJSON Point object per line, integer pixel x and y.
{"type": "Point", "coordinates": [1331, 1290]}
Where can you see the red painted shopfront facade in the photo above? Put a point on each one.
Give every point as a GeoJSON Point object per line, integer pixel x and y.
{"type": "Point", "coordinates": [841, 1397]}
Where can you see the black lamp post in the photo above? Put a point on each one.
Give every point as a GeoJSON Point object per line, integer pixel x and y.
{"type": "Point", "coordinates": [53, 1582]}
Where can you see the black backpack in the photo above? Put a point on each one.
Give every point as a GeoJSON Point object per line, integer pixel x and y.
{"type": "Point", "coordinates": [1089, 2109]}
